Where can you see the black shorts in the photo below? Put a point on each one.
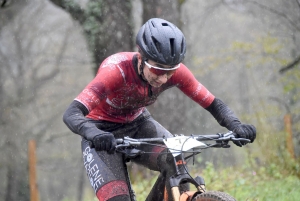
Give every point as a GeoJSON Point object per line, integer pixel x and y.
{"type": "Point", "coordinates": [106, 172]}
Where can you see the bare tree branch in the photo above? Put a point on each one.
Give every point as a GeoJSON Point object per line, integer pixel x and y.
{"type": "Point", "coordinates": [281, 14]}
{"type": "Point", "coordinates": [44, 79]}
{"type": "Point", "coordinates": [5, 62]}
{"type": "Point", "coordinates": [281, 102]}
{"type": "Point", "coordinates": [73, 9]}
{"type": "Point", "coordinates": [298, 2]}
{"type": "Point", "coordinates": [290, 65]}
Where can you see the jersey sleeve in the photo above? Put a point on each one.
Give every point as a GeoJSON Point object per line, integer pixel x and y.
{"type": "Point", "coordinates": [107, 80]}
{"type": "Point", "coordinates": [190, 86]}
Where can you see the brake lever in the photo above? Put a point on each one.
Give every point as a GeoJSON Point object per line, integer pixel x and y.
{"type": "Point", "coordinates": [122, 145]}
{"type": "Point", "coordinates": [238, 141]}
{"type": "Point", "coordinates": [241, 140]}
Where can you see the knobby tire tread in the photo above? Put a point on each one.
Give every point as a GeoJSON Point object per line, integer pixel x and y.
{"type": "Point", "coordinates": [213, 196]}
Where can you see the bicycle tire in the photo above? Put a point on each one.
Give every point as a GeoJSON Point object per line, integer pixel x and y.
{"type": "Point", "coordinates": [213, 196]}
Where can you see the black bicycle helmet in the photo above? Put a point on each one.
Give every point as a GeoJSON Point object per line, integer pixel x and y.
{"type": "Point", "coordinates": [161, 41]}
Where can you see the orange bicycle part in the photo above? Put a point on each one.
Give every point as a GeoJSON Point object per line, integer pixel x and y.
{"type": "Point", "coordinates": [187, 196]}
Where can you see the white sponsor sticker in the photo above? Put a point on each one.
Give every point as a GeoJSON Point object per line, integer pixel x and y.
{"type": "Point", "coordinates": [182, 143]}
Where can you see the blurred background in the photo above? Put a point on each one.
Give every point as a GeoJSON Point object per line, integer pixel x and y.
{"type": "Point", "coordinates": [246, 52]}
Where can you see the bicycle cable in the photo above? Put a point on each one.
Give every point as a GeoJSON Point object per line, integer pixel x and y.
{"type": "Point", "coordinates": [184, 166]}
{"type": "Point", "coordinates": [121, 150]}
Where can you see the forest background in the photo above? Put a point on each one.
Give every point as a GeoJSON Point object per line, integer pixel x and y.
{"type": "Point", "coordinates": [246, 52]}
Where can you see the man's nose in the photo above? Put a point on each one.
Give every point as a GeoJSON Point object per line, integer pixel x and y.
{"type": "Point", "coordinates": [163, 78]}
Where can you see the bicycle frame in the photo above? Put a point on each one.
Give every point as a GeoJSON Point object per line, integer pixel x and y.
{"type": "Point", "coordinates": [177, 146]}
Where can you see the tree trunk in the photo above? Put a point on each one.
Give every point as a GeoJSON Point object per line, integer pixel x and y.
{"type": "Point", "coordinates": [168, 10]}
{"type": "Point", "coordinates": [107, 26]}
{"type": "Point", "coordinates": [116, 33]}
{"type": "Point", "coordinates": [10, 191]}
{"type": "Point", "coordinates": [17, 188]}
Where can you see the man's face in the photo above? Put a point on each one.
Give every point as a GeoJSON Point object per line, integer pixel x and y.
{"type": "Point", "coordinates": [158, 74]}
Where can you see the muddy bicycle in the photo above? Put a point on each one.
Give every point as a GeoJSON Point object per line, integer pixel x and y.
{"type": "Point", "coordinates": [182, 147]}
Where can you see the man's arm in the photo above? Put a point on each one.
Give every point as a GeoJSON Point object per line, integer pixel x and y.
{"type": "Point", "coordinates": [226, 118]}
{"type": "Point", "coordinates": [189, 85]}
{"type": "Point", "coordinates": [223, 114]}
{"type": "Point", "coordinates": [74, 118]}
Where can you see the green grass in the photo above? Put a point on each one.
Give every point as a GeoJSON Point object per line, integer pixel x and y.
{"type": "Point", "coordinates": [267, 190]}
{"type": "Point", "coordinates": [268, 183]}
{"type": "Point", "coordinates": [254, 184]}
{"type": "Point", "coordinates": [245, 184]}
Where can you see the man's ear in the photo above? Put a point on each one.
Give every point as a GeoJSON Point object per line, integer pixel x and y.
{"type": "Point", "coordinates": [139, 56]}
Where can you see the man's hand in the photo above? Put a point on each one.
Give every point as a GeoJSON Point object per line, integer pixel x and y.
{"type": "Point", "coordinates": [105, 142]}
{"type": "Point", "coordinates": [245, 131]}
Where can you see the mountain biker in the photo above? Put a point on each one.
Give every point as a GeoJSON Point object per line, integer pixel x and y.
{"type": "Point", "coordinates": [113, 105]}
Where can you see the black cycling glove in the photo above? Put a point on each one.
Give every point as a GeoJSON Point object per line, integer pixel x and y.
{"type": "Point", "coordinates": [245, 131]}
{"type": "Point", "coordinates": [105, 142]}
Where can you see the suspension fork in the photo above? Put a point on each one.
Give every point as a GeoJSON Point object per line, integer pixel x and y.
{"type": "Point", "coordinates": [183, 176]}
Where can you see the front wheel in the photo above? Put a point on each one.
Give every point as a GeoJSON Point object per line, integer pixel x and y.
{"type": "Point", "coordinates": [213, 196]}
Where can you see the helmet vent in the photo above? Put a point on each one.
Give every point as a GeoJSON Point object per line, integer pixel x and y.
{"type": "Point", "coordinates": [172, 47]}
{"type": "Point", "coordinates": [164, 24]}
{"type": "Point", "coordinates": [144, 38]}
{"type": "Point", "coordinates": [152, 24]}
{"type": "Point", "coordinates": [156, 43]}
{"type": "Point", "coordinates": [182, 45]}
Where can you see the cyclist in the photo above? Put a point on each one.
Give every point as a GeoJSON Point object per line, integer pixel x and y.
{"type": "Point", "coordinates": [114, 103]}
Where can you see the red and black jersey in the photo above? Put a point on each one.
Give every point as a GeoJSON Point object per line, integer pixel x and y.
{"type": "Point", "coordinates": [118, 94]}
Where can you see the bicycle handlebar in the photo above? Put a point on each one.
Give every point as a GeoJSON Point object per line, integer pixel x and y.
{"type": "Point", "coordinates": [219, 137]}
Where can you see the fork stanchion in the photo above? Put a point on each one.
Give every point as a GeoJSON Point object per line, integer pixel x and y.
{"type": "Point", "coordinates": [175, 193]}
